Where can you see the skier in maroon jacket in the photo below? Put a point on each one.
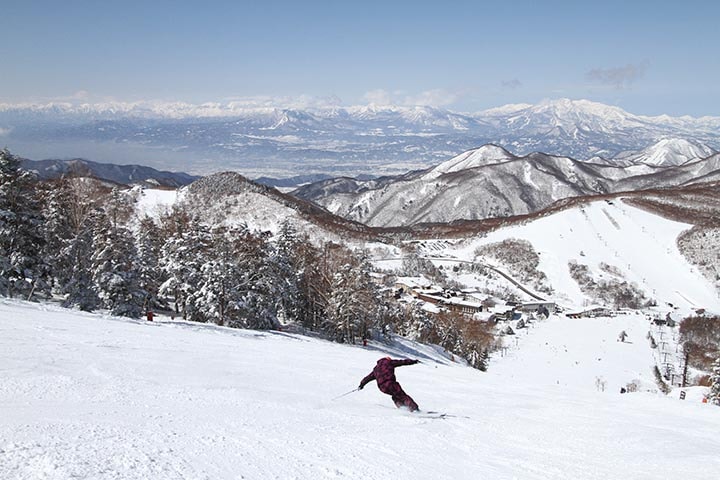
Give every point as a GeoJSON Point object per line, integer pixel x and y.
{"type": "Point", "coordinates": [384, 374]}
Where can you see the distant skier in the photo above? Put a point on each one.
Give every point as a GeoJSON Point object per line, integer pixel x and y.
{"type": "Point", "coordinates": [384, 374]}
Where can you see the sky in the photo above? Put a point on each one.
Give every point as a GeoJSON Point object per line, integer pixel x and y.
{"type": "Point", "coordinates": [647, 57]}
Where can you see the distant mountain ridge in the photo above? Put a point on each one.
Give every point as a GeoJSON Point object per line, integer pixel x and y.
{"type": "Point", "coordinates": [668, 152]}
{"type": "Point", "coordinates": [121, 174]}
{"type": "Point", "coordinates": [332, 140]}
{"type": "Point", "coordinates": [491, 182]}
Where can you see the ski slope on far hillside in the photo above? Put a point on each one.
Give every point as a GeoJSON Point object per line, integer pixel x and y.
{"type": "Point", "coordinates": [639, 244]}
{"type": "Point", "coordinates": [95, 397]}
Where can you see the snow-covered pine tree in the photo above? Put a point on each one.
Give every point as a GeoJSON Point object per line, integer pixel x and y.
{"type": "Point", "coordinates": [259, 284]}
{"type": "Point", "coordinates": [114, 267]}
{"type": "Point", "coordinates": [313, 283]}
{"type": "Point", "coordinates": [58, 233]}
{"type": "Point", "coordinates": [714, 394]}
{"type": "Point", "coordinates": [288, 266]}
{"type": "Point", "coordinates": [184, 253]}
{"type": "Point", "coordinates": [345, 312]}
{"type": "Point", "coordinates": [217, 297]}
{"type": "Point", "coordinates": [22, 269]}
{"type": "Point", "coordinates": [78, 285]}
{"type": "Point", "coordinates": [386, 314]}
{"type": "Point", "coordinates": [421, 325]}
{"type": "Point", "coordinates": [149, 243]}
{"type": "Point", "coordinates": [72, 208]}
{"type": "Point", "coordinates": [448, 331]}
{"type": "Point", "coordinates": [351, 309]}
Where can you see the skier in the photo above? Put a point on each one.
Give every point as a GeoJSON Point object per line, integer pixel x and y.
{"type": "Point", "coordinates": [384, 373]}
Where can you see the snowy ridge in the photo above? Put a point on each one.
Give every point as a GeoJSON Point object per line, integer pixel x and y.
{"type": "Point", "coordinates": [665, 153]}
{"type": "Point", "coordinates": [491, 182]}
{"type": "Point", "coordinates": [485, 155]}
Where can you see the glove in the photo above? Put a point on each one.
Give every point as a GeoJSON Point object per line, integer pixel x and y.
{"type": "Point", "coordinates": [360, 387]}
{"type": "Point", "coordinates": [416, 361]}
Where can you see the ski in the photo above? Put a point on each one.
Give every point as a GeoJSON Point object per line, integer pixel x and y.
{"type": "Point", "coordinates": [442, 415]}
{"type": "Point", "coordinates": [422, 414]}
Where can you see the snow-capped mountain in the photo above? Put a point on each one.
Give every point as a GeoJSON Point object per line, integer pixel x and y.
{"type": "Point", "coordinates": [282, 141]}
{"type": "Point", "coordinates": [445, 193]}
{"type": "Point", "coordinates": [583, 129]}
{"type": "Point", "coordinates": [667, 152]}
{"type": "Point", "coordinates": [480, 157]}
{"type": "Point", "coordinates": [230, 198]}
{"type": "Point", "coordinates": [491, 182]}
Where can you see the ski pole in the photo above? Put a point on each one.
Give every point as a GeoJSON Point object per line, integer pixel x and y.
{"type": "Point", "coordinates": [348, 393]}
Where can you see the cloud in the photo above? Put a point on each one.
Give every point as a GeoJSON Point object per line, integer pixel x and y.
{"type": "Point", "coordinates": [512, 84]}
{"type": "Point", "coordinates": [437, 97]}
{"type": "Point", "coordinates": [379, 97]}
{"type": "Point", "coordinates": [618, 77]}
{"type": "Point", "coordinates": [80, 95]}
{"type": "Point", "coordinates": [5, 131]}
{"type": "Point", "coordinates": [433, 98]}
{"type": "Point", "coordinates": [277, 101]}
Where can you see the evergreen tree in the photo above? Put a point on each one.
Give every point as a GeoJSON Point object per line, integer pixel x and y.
{"type": "Point", "coordinates": [217, 297]}
{"type": "Point", "coordinates": [114, 270]}
{"type": "Point", "coordinates": [289, 268]}
{"type": "Point", "coordinates": [258, 283]}
{"type": "Point", "coordinates": [22, 269]}
{"type": "Point", "coordinates": [73, 211]}
{"type": "Point", "coordinates": [350, 312]}
{"type": "Point", "coordinates": [78, 283]}
{"type": "Point", "coordinates": [58, 233]}
{"type": "Point", "coordinates": [420, 325]}
{"type": "Point", "coordinates": [149, 244]}
{"type": "Point", "coordinates": [223, 275]}
{"type": "Point", "coordinates": [184, 253]}
{"type": "Point", "coordinates": [714, 395]}
{"type": "Point", "coordinates": [313, 284]}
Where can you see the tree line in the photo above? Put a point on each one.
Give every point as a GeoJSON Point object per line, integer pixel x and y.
{"type": "Point", "coordinates": [80, 242]}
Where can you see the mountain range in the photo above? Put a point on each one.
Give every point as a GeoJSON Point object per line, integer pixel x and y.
{"type": "Point", "coordinates": [622, 230]}
{"type": "Point", "coordinates": [120, 174]}
{"type": "Point", "coordinates": [331, 140]}
{"type": "Point", "coordinates": [492, 182]}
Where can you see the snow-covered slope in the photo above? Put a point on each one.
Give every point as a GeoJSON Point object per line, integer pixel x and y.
{"type": "Point", "coordinates": [487, 182]}
{"type": "Point", "coordinates": [231, 199]}
{"type": "Point", "coordinates": [667, 152]}
{"type": "Point", "coordinates": [637, 246]}
{"type": "Point", "coordinates": [87, 396]}
{"type": "Point", "coordinates": [491, 182]}
{"type": "Point", "coordinates": [485, 155]}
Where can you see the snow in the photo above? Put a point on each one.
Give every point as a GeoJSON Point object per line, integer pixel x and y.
{"type": "Point", "coordinates": [485, 155]}
{"type": "Point", "coordinates": [92, 396]}
{"type": "Point", "coordinates": [156, 202]}
{"type": "Point", "coordinates": [668, 152]}
{"type": "Point", "coordinates": [641, 245]}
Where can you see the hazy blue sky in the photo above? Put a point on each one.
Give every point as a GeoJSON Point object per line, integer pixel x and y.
{"type": "Point", "coordinates": [648, 57]}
